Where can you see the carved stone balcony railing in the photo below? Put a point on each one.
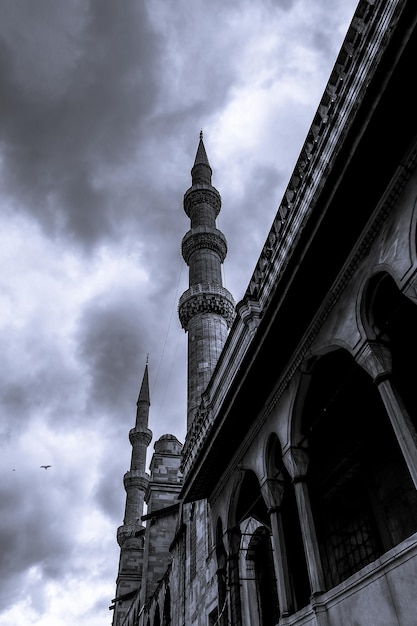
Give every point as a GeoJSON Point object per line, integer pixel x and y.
{"type": "Point", "coordinates": [206, 298]}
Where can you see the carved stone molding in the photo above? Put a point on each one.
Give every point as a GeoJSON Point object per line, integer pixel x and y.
{"type": "Point", "coordinates": [196, 196]}
{"type": "Point", "coordinates": [136, 478]}
{"type": "Point", "coordinates": [140, 436]}
{"type": "Point", "coordinates": [206, 298]}
{"type": "Point", "coordinates": [250, 312]}
{"type": "Point", "coordinates": [200, 239]}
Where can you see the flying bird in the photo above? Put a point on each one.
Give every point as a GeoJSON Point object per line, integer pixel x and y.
{"type": "Point", "coordinates": [46, 466]}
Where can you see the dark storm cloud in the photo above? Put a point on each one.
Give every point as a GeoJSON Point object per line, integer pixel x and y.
{"type": "Point", "coordinates": [116, 332]}
{"type": "Point", "coordinates": [75, 88]}
{"type": "Point", "coordinates": [257, 203]}
{"type": "Point", "coordinates": [100, 111]}
{"type": "Point", "coordinates": [89, 90]}
{"type": "Point", "coordinates": [41, 379]}
{"type": "Point", "coordinates": [36, 540]}
{"type": "Point", "coordinates": [110, 344]}
{"type": "Point", "coordinates": [109, 494]}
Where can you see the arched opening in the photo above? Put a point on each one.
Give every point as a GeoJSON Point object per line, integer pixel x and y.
{"type": "Point", "coordinates": [260, 553]}
{"type": "Point", "coordinates": [250, 501]}
{"type": "Point", "coordinates": [256, 565]}
{"type": "Point", "coordinates": [296, 561]}
{"type": "Point", "coordinates": [356, 471]}
{"type": "Point", "coordinates": [392, 318]}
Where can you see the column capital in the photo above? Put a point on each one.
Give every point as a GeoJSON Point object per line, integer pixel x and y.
{"type": "Point", "coordinates": [233, 536]}
{"type": "Point", "coordinates": [296, 459]}
{"type": "Point", "coordinates": [272, 490]}
{"type": "Point", "coordinates": [375, 358]}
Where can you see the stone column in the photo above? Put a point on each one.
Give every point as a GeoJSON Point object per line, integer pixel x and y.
{"type": "Point", "coordinates": [296, 461]}
{"type": "Point", "coordinates": [273, 492]}
{"type": "Point", "coordinates": [234, 578]}
{"type": "Point", "coordinates": [375, 358]}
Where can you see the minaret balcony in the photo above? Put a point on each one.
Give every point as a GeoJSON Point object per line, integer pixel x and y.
{"type": "Point", "coordinates": [206, 298]}
{"type": "Point", "coordinates": [201, 194]}
{"type": "Point", "coordinates": [204, 238]}
{"type": "Point", "coordinates": [140, 436]}
{"type": "Point", "coordinates": [136, 478]}
{"type": "Point", "coordinates": [128, 531]}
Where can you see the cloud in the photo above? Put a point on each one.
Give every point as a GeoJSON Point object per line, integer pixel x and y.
{"type": "Point", "coordinates": [77, 85]}
{"type": "Point", "coordinates": [101, 109]}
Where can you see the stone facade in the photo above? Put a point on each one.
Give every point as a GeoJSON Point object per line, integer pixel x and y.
{"type": "Point", "coordinates": [297, 492]}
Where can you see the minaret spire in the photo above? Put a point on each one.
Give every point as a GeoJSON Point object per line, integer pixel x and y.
{"type": "Point", "coordinates": [144, 388]}
{"type": "Point", "coordinates": [136, 481]}
{"type": "Point", "coordinates": [201, 171]}
{"type": "Point", "coordinates": [206, 309]}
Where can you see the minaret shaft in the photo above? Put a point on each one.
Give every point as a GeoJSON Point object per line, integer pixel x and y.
{"type": "Point", "coordinates": [130, 534]}
{"type": "Point", "coordinates": [206, 309]}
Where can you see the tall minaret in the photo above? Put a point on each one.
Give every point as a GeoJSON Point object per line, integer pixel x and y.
{"type": "Point", "coordinates": [206, 309]}
{"type": "Point", "coordinates": [130, 536]}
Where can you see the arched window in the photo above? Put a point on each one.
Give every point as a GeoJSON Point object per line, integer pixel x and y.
{"type": "Point", "coordinates": [296, 561]}
{"type": "Point", "coordinates": [391, 317]}
{"type": "Point", "coordinates": [258, 578]}
{"type": "Point", "coordinates": [260, 553]}
{"type": "Point", "coordinates": [361, 492]}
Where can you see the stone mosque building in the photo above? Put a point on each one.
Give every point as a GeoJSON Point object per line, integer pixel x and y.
{"type": "Point", "coordinates": [293, 499]}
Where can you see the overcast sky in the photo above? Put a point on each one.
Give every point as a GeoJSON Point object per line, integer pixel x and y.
{"type": "Point", "coordinates": [101, 106]}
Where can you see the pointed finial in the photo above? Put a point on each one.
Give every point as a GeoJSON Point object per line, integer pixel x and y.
{"type": "Point", "coordinates": [201, 134]}
{"type": "Point", "coordinates": [147, 359]}
{"type": "Point", "coordinates": [144, 389]}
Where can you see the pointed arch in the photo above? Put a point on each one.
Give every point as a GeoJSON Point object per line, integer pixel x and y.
{"type": "Point", "coordinates": [252, 570]}
{"type": "Point", "coordinates": [350, 478]}
{"type": "Point", "coordinates": [249, 501]}
{"type": "Point", "coordinates": [390, 316]}
{"type": "Point", "coordinates": [295, 561]}
{"type": "Point", "coordinates": [260, 553]}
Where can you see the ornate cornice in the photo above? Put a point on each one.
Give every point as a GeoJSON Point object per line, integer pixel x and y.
{"type": "Point", "coordinates": [198, 195]}
{"type": "Point", "coordinates": [201, 238]}
{"type": "Point", "coordinates": [206, 298]}
{"type": "Point", "coordinates": [250, 311]}
{"type": "Point", "coordinates": [329, 126]}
